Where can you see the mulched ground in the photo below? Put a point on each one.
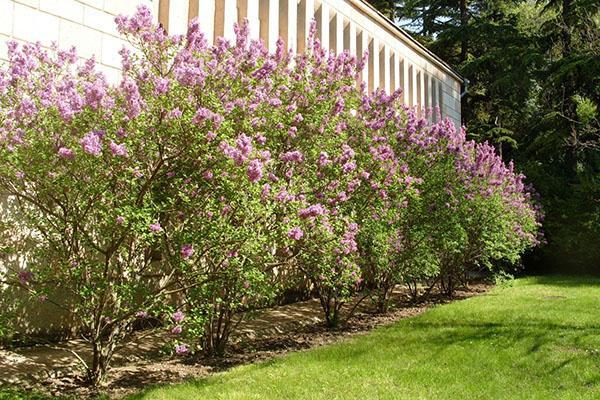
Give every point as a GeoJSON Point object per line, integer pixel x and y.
{"type": "Point", "coordinates": [269, 333]}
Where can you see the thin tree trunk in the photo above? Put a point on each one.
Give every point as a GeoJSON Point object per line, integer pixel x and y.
{"type": "Point", "coordinates": [464, 20]}
{"type": "Point", "coordinates": [565, 28]}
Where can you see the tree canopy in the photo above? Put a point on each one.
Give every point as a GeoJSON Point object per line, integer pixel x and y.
{"type": "Point", "coordinates": [534, 72]}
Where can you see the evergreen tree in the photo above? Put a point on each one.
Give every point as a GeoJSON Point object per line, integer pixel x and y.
{"type": "Point", "coordinates": [534, 72]}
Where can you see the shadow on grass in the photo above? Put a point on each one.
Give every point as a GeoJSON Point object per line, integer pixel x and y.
{"type": "Point", "coordinates": [547, 341]}
{"type": "Point", "coordinates": [567, 280]}
{"type": "Point", "coordinates": [530, 341]}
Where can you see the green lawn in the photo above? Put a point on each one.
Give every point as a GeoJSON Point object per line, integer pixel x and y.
{"type": "Point", "coordinates": [539, 339]}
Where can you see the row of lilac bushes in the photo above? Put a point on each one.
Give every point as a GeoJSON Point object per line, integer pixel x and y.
{"type": "Point", "coordinates": [186, 191]}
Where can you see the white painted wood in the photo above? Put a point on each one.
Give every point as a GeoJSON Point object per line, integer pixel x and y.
{"type": "Point", "coordinates": [206, 19]}
{"type": "Point", "coordinates": [376, 67]}
{"type": "Point", "coordinates": [434, 100]}
{"type": "Point", "coordinates": [229, 19]}
{"type": "Point", "coordinates": [306, 12]}
{"type": "Point", "coordinates": [269, 23]}
{"type": "Point", "coordinates": [363, 41]}
{"type": "Point", "coordinates": [273, 25]}
{"type": "Point", "coordinates": [352, 38]}
{"type": "Point", "coordinates": [253, 20]}
{"type": "Point", "coordinates": [322, 17]}
{"type": "Point", "coordinates": [405, 81]}
{"type": "Point", "coordinates": [386, 69]}
{"type": "Point", "coordinates": [263, 16]}
{"type": "Point", "coordinates": [336, 32]}
{"type": "Point", "coordinates": [421, 89]}
{"type": "Point", "coordinates": [411, 86]}
{"type": "Point", "coordinates": [178, 13]}
{"type": "Point", "coordinates": [288, 23]}
{"type": "Point", "coordinates": [293, 25]}
{"type": "Point", "coordinates": [396, 71]}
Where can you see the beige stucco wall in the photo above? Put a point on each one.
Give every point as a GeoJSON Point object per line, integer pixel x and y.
{"type": "Point", "coordinates": [86, 24]}
{"type": "Point", "coordinates": [27, 314]}
{"type": "Point", "coordinates": [342, 24]}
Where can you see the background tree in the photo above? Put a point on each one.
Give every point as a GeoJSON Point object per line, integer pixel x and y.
{"type": "Point", "coordinates": [534, 72]}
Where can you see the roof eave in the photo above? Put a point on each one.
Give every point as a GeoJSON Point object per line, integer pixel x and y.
{"type": "Point", "coordinates": [413, 43]}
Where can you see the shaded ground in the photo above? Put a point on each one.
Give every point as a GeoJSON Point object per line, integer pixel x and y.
{"type": "Point", "coordinates": [54, 369]}
{"type": "Point", "coordinates": [537, 339]}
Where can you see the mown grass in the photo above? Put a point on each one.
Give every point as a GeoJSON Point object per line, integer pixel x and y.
{"type": "Point", "coordinates": [15, 393]}
{"type": "Point", "coordinates": [538, 339]}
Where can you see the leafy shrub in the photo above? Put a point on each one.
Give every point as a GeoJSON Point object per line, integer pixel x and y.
{"type": "Point", "coordinates": [183, 191]}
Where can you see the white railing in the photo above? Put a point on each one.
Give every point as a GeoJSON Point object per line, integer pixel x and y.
{"type": "Point", "coordinates": [395, 59]}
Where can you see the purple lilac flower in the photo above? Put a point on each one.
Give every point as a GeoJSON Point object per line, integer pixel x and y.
{"type": "Point", "coordinates": [175, 113]}
{"type": "Point", "coordinates": [25, 276]}
{"type": "Point", "coordinates": [92, 144]}
{"type": "Point", "coordinates": [178, 316]}
{"type": "Point", "coordinates": [312, 211]}
{"type": "Point", "coordinates": [295, 233]}
{"type": "Point", "coordinates": [292, 156]}
{"type": "Point", "coordinates": [186, 251]}
{"type": "Point", "coordinates": [265, 191]}
{"type": "Point", "coordinates": [118, 149]}
{"type": "Point", "coordinates": [254, 171]}
{"type": "Point", "coordinates": [155, 227]}
{"type": "Point", "coordinates": [348, 167]}
{"type": "Point", "coordinates": [65, 152]}
{"type": "Point", "coordinates": [323, 159]}
{"type": "Point", "coordinates": [181, 349]}
{"type": "Point", "coordinates": [244, 144]}
{"type": "Point", "coordinates": [177, 330]}
{"type": "Point", "coordinates": [260, 138]}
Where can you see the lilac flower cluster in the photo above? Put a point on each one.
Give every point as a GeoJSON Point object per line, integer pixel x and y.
{"type": "Point", "coordinates": [224, 168]}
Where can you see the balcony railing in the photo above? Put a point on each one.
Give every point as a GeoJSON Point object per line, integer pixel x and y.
{"type": "Point", "coordinates": [395, 59]}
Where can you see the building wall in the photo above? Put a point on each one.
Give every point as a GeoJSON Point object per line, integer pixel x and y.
{"type": "Point", "coordinates": [395, 60]}
{"type": "Point", "coordinates": [86, 24]}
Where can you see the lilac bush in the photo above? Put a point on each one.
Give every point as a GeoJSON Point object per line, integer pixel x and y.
{"type": "Point", "coordinates": [187, 189]}
{"type": "Point", "coordinates": [81, 165]}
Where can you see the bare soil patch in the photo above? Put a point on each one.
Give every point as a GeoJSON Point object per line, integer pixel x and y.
{"type": "Point", "coordinates": [53, 369]}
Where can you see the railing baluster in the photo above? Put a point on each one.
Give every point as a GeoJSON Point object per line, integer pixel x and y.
{"type": "Point", "coordinates": [288, 22]}
{"type": "Point", "coordinates": [363, 45]}
{"type": "Point", "coordinates": [306, 10]}
{"type": "Point", "coordinates": [252, 8]}
{"type": "Point", "coordinates": [386, 68]}
{"type": "Point", "coordinates": [322, 17]}
{"type": "Point", "coordinates": [225, 17]}
{"type": "Point", "coordinates": [337, 28]}
{"type": "Point", "coordinates": [336, 33]}
{"type": "Point", "coordinates": [178, 16]}
{"type": "Point", "coordinates": [163, 14]}
{"type": "Point", "coordinates": [193, 8]}
{"type": "Point", "coordinates": [206, 19]}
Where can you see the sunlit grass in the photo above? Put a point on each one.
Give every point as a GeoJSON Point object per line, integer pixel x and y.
{"type": "Point", "coordinates": [539, 339]}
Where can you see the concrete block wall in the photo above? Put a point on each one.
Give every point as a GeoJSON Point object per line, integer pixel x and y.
{"type": "Point", "coordinates": [86, 24]}
{"type": "Point", "coordinates": [395, 61]}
